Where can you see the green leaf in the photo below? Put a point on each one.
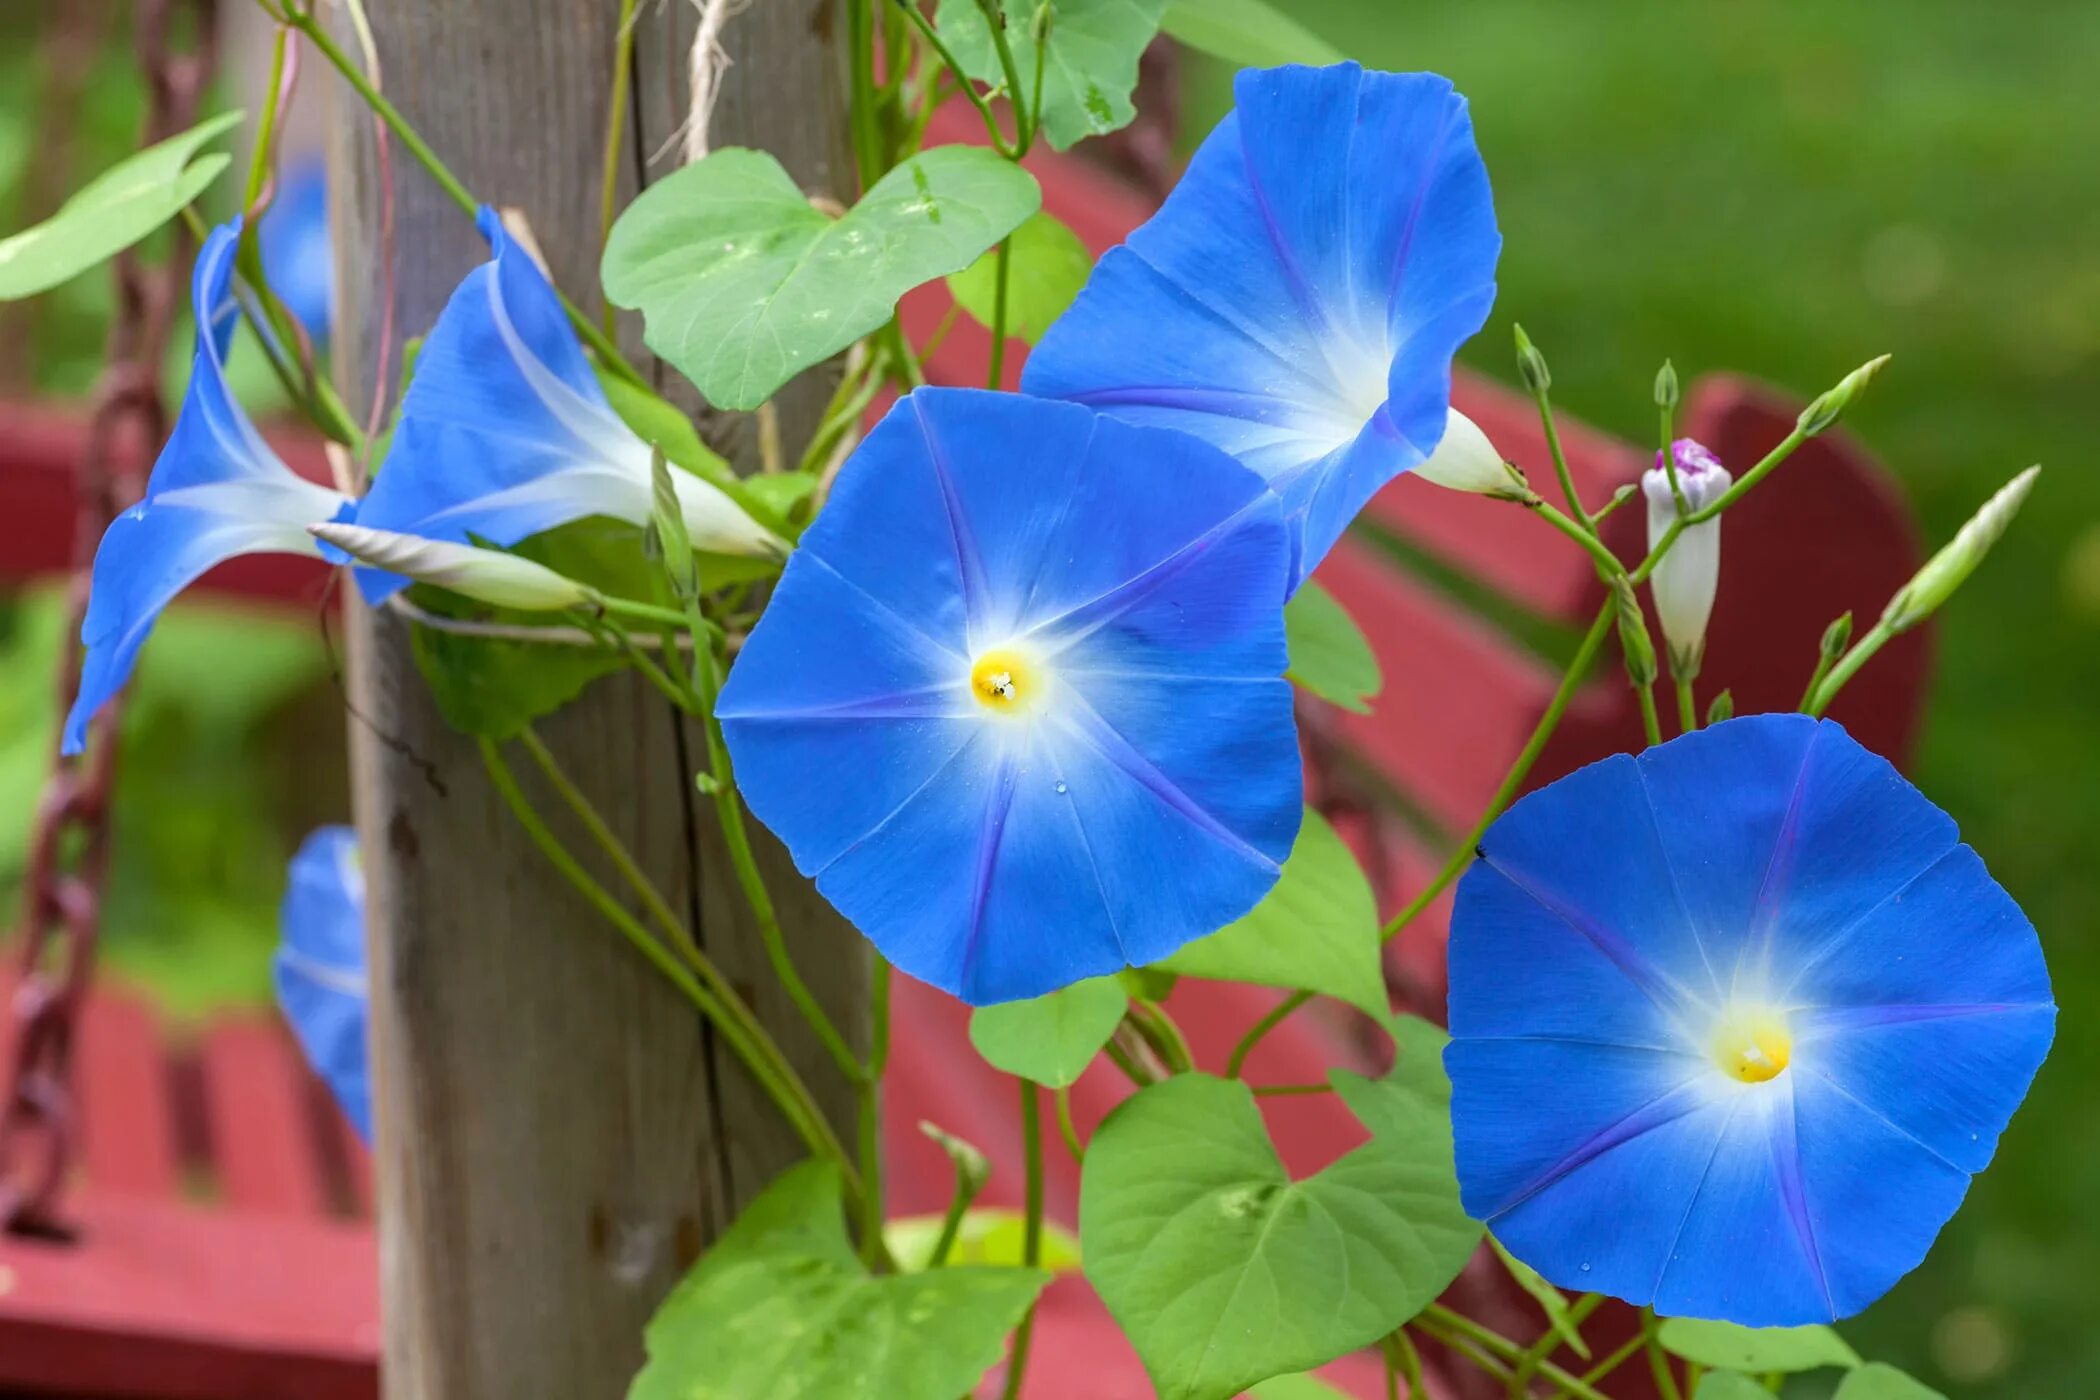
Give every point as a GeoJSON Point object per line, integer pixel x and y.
{"type": "Point", "coordinates": [1549, 1298]}
{"type": "Point", "coordinates": [742, 283]}
{"type": "Point", "coordinates": [656, 421]}
{"type": "Point", "coordinates": [1048, 267]}
{"type": "Point", "coordinates": [989, 1235]}
{"type": "Point", "coordinates": [1729, 1385]}
{"type": "Point", "coordinates": [1090, 59]}
{"type": "Point", "coordinates": [1246, 33]}
{"type": "Point", "coordinates": [1329, 655]}
{"type": "Point", "coordinates": [491, 687]}
{"type": "Point", "coordinates": [1050, 1039]}
{"type": "Point", "coordinates": [1317, 929]}
{"type": "Point", "coordinates": [1729, 1347]}
{"type": "Point", "coordinates": [810, 1323]}
{"type": "Point", "coordinates": [1877, 1381]}
{"type": "Point", "coordinates": [115, 210]}
{"type": "Point", "coordinates": [1224, 1272]}
{"type": "Point", "coordinates": [1295, 1387]}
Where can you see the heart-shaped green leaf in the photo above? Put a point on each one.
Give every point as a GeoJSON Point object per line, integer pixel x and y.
{"type": "Point", "coordinates": [742, 283]}
{"type": "Point", "coordinates": [1729, 1385]}
{"type": "Point", "coordinates": [781, 1307]}
{"type": "Point", "coordinates": [1247, 33]}
{"type": "Point", "coordinates": [1090, 59]}
{"type": "Point", "coordinates": [115, 210]}
{"type": "Point", "coordinates": [1329, 655]}
{"type": "Point", "coordinates": [1298, 1386]}
{"type": "Point", "coordinates": [1876, 1381]}
{"type": "Point", "coordinates": [1728, 1347]}
{"type": "Point", "coordinates": [1050, 1039]}
{"type": "Point", "coordinates": [1224, 1272]}
{"type": "Point", "coordinates": [1316, 929]}
{"type": "Point", "coordinates": [1049, 266]}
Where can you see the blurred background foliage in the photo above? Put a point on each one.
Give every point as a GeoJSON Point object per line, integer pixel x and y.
{"type": "Point", "coordinates": [1778, 188]}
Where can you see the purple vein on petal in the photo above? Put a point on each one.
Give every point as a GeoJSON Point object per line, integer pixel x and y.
{"type": "Point", "coordinates": [998, 805]}
{"type": "Point", "coordinates": [1075, 624]}
{"type": "Point", "coordinates": [1658, 986]}
{"type": "Point", "coordinates": [1661, 1111]}
{"type": "Point", "coordinates": [1786, 1164]}
{"type": "Point", "coordinates": [1084, 724]}
{"type": "Point", "coordinates": [969, 564]}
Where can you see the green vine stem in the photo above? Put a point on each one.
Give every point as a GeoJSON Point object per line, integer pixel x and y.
{"type": "Point", "coordinates": [1031, 1224]}
{"type": "Point", "coordinates": [800, 1113]}
{"type": "Point", "coordinates": [1066, 1128]}
{"type": "Point", "coordinates": [868, 1093]}
{"type": "Point", "coordinates": [1481, 1342]}
{"type": "Point", "coordinates": [1658, 1360]}
{"type": "Point", "coordinates": [616, 116]}
{"type": "Point", "coordinates": [310, 26]}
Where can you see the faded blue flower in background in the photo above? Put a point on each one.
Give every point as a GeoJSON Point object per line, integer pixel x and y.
{"type": "Point", "coordinates": [1298, 298]}
{"type": "Point", "coordinates": [1016, 705]}
{"type": "Point", "coordinates": [297, 253]}
{"type": "Point", "coordinates": [1733, 1023]}
{"type": "Point", "coordinates": [320, 967]}
{"type": "Point", "coordinates": [505, 432]}
{"type": "Point", "coordinates": [217, 491]}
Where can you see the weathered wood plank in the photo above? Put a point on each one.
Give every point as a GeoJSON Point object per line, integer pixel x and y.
{"type": "Point", "coordinates": [556, 1133]}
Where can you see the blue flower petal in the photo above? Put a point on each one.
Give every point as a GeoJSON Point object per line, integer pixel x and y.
{"type": "Point", "coordinates": [1297, 300]}
{"type": "Point", "coordinates": [1003, 855]}
{"type": "Point", "coordinates": [297, 251]}
{"type": "Point", "coordinates": [320, 967]}
{"type": "Point", "coordinates": [216, 491]}
{"type": "Point", "coordinates": [505, 432]}
{"type": "Point", "coordinates": [1902, 992]}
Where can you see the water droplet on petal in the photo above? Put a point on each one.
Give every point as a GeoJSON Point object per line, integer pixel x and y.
{"type": "Point", "coordinates": [1061, 787]}
{"type": "Point", "coordinates": [1585, 1268]}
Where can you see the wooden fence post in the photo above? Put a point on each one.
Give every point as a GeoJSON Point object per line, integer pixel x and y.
{"type": "Point", "coordinates": [557, 1135]}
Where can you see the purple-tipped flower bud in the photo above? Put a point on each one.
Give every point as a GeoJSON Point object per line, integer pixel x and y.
{"type": "Point", "coordinates": [1685, 580]}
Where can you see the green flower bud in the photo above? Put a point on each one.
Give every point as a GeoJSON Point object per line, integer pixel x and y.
{"type": "Point", "coordinates": [1722, 708]}
{"type": "Point", "coordinates": [1531, 365]}
{"type": "Point", "coordinates": [1666, 386]}
{"type": "Point", "coordinates": [1836, 637]}
{"type": "Point", "coordinates": [1831, 404]}
{"type": "Point", "coordinates": [1945, 571]}
{"type": "Point", "coordinates": [489, 575]}
{"type": "Point", "coordinates": [1633, 634]}
{"type": "Point", "coordinates": [667, 530]}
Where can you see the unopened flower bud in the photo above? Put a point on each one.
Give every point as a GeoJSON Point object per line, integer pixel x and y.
{"type": "Point", "coordinates": [488, 575]}
{"type": "Point", "coordinates": [1830, 405]}
{"type": "Point", "coordinates": [1945, 571]}
{"type": "Point", "coordinates": [1836, 637]}
{"type": "Point", "coordinates": [1722, 708]}
{"type": "Point", "coordinates": [1633, 634]}
{"type": "Point", "coordinates": [1466, 461]}
{"type": "Point", "coordinates": [667, 528]}
{"type": "Point", "coordinates": [1666, 386]}
{"type": "Point", "coordinates": [1531, 365]}
{"type": "Point", "coordinates": [1685, 581]}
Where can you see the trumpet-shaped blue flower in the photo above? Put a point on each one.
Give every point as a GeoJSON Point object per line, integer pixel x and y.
{"type": "Point", "coordinates": [320, 967]}
{"type": "Point", "coordinates": [297, 252]}
{"type": "Point", "coordinates": [1016, 704]}
{"type": "Point", "coordinates": [1733, 1023]}
{"type": "Point", "coordinates": [216, 491]}
{"type": "Point", "coordinates": [505, 432]}
{"type": "Point", "coordinates": [1298, 298]}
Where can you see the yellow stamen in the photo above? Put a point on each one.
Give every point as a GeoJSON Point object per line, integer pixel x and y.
{"type": "Point", "coordinates": [1004, 680]}
{"type": "Point", "coordinates": [1753, 1045]}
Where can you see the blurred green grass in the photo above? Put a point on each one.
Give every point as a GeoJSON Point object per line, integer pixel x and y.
{"type": "Point", "coordinates": [1788, 189]}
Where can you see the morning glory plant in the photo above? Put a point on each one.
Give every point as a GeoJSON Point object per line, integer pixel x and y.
{"type": "Point", "coordinates": [1015, 679]}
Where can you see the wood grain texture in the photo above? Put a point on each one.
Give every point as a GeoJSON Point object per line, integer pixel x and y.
{"type": "Point", "coordinates": [557, 1134]}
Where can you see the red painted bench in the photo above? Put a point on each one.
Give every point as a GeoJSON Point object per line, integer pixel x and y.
{"type": "Point", "coordinates": [218, 1255]}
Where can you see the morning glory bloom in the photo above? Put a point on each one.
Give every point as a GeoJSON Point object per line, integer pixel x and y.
{"type": "Point", "coordinates": [1297, 299]}
{"type": "Point", "coordinates": [320, 967]}
{"type": "Point", "coordinates": [1685, 581]}
{"type": "Point", "coordinates": [1016, 705]}
{"type": "Point", "coordinates": [297, 253]}
{"type": "Point", "coordinates": [1733, 1023]}
{"type": "Point", "coordinates": [505, 432]}
{"type": "Point", "coordinates": [216, 491]}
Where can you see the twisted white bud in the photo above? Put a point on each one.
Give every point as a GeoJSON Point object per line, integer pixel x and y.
{"type": "Point", "coordinates": [1465, 460]}
{"type": "Point", "coordinates": [488, 575]}
{"type": "Point", "coordinates": [1685, 581]}
{"type": "Point", "coordinates": [1945, 571]}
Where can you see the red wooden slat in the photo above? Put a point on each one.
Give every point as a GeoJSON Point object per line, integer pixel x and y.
{"type": "Point", "coordinates": [128, 1137]}
{"type": "Point", "coordinates": [173, 1303]}
{"type": "Point", "coordinates": [261, 1127]}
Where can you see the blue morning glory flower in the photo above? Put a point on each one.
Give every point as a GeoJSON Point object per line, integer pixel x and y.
{"type": "Point", "coordinates": [1016, 705]}
{"type": "Point", "coordinates": [1733, 1023]}
{"type": "Point", "coordinates": [1298, 298]}
{"type": "Point", "coordinates": [217, 491]}
{"type": "Point", "coordinates": [320, 967]}
{"type": "Point", "coordinates": [505, 432]}
{"type": "Point", "coordinates": [297, 252]}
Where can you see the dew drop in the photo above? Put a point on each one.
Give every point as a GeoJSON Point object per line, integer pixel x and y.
{"type": "Point", "coordinates": [1061, 788]}
{"type": "Point", "coordinates": [1585, 1268]}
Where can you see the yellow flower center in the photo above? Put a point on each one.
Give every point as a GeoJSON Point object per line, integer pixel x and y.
{"type": "Point", "coordinates": [1753, 1045]}
{"type": "Point", "coordinates": [1005, 681]}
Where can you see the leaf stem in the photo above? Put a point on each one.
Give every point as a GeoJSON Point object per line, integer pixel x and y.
{"type": "Point", "coordinates": [1651, 724]}
{"type": "Point", "coordinates": [1826, 689]}
{"type": "Point", "coordinates": [1066, 1128]}
{"type": "Point", "coordinates": [1687, 710]}
{"type": "Point", "coordinates": [1436, 1317]}
{"type": "Point", "coordinates": [870, 1110]}
{"type": "Point", "coordinates": [1031, 1224]}
{"type": "Point", "coordinates": [615, 130]}
{"type": "Point", "coordinates": [1607, 562]}
{"type": "Point", "coordinates": [1002, 265]}
{"type": "Point", "coordinates": [1658, 1361]}
{"type": "Point", "coordinates": [969, 88]}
